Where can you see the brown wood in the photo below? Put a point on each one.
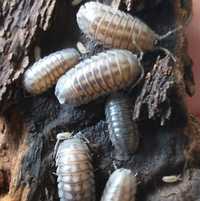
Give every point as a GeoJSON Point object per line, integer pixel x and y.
{"type": "Point", "coordinates": [21, 24]}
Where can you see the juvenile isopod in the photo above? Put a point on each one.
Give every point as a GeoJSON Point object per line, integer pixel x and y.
{"type": "Point", "coordinates": [171, 178]}
{"type": "Point", "coordinates": [121, 185]}
{"type": "Point", "coordinates": [116, 29]}
{"type": "Point", "coordinates": [123, 131]}
{"type": "Point", "coordinates": [75, 172]}
{"type": "Point", "coordinates": [44, 73]}
{"type": "Point", "coordinates": [106, 72]}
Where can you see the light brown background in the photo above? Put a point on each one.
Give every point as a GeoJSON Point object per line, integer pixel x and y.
{"type": "Point", "coordinates": [193, 34]}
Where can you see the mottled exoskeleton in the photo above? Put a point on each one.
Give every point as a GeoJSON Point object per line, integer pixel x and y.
{"type": "Point", "coordinates": [106, 72]}
{"type": "Point", "coordinates": [123, 130]}
{"type": "Point", "coordinates": [115, 28]}
{"type": "Point", "coordinates": [121, 185]}
{"type": "Point", "coordinates": [44, 73]}
{"type": "Point", "coordinates": [74, 171]}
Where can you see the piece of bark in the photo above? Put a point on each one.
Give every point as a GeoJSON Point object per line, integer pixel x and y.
{"type": "Point", "coordinates": [155, 93]}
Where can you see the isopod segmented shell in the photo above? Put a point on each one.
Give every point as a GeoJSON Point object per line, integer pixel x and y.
{"type": "Point", "coordinates": [120, 186]}
{"type": "Point", "coordinates": [74, 171]}
{"type": "Point", "coordinates": [106, 72]}
{"type": "Point", "coordinates": [123, 131]}
{"type": "Point", "coordinates": [44, 73]}
{"type": "Point", "coordinates": [115, 28]}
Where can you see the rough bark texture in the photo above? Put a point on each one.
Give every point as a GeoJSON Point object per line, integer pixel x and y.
{"type": "Point", "coordinates": [28, 125]}
{"type": "Point", "coordinates": [155, 92]}
{"type": "Point", "coordinates": [21, 22]}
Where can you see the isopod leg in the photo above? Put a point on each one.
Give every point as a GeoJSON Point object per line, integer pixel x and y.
{"type": "Point", "coordinates": [139, 79]}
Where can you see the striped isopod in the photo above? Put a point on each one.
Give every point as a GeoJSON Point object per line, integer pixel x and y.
{"type": "Point", "coordinates": [74, 171]}
{"type": "Point", "coordinates": [116, 29]}
{"type": "Point", "coordinates": [123, 131]}
{"type": "Point", "coordinates": [121, 185]}
{"type": "Point", "coordinates": [45, 72]}
{"type": "Point", "coordinates": [106, 72]}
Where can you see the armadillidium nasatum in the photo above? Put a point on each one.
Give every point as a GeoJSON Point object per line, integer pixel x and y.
{"type": "Point", "coordinates": [74, 171]}
{"type": "Point", "coordinates": [116, 29]}
{"type": "Point", "coordinates": [44, 73]}
{"type": "Point", "coordinates": [106, 72]}
{"type": "Point", "coordinates": [121, 185]}
{"type": "Point", "coordinates": [123, 131]}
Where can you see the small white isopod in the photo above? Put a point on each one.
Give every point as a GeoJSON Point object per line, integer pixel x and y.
{"type": "Point", "coordinates": [171, 178]}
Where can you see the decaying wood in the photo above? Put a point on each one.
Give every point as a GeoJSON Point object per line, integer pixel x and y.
{"type": "Point", "coordinates": [186, 189]}
{"type": "Point", "coordinates": [155, 92]}
{"type": "Point", "coordinates": [28, 128]}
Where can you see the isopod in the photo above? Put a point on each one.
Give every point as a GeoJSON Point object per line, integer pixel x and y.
{"type": "Point", "coordinates": [117, 29]}
{"type": "Point", "coordinates": [123, 131]}
{"type": "Point", "coordinates": [75, 172]}
{"type": "Point", "coordinates": [106, 72]}
{"type": "Point", "coordinates": [121, 185]}
{"type": "Point", "coordinates": [171, 178]}
{"type": "Point", "coordinates": [44, 73]}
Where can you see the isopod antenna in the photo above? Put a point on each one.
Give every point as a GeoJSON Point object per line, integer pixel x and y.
{"type": "Point", "coordinates": [161, 37]}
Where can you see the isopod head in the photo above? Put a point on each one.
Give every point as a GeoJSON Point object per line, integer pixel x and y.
{"type": "Point", "coordinates": [121, 185]}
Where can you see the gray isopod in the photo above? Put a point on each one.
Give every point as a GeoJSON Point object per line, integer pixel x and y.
{"type": "Point", "coordinates": [121, 185]}
{"type": "Point", "coordinates": [122, 129]}
{"type": "Point", "coordinates": [117, 29]}
{"type": "Point", "coordinates": [44, 73]}
{"type": "Point", "coordinates": [101, 74]}
{"type": "Point", "coordinates": [74, 171]}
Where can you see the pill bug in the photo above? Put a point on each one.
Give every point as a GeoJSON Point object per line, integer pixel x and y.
{"type": "Point", "coordinates": [44, 73]}
{"type": "Point", "coordinates": [120, 186]}
{"type": "Point", "coordinates": [75, 172]}
{"type": "Point", "coordinates": [106, 72]}
{"type": "Point", "coordinates": [123, 131]}
{"type": "Point", "coordinates": [116, 29]}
